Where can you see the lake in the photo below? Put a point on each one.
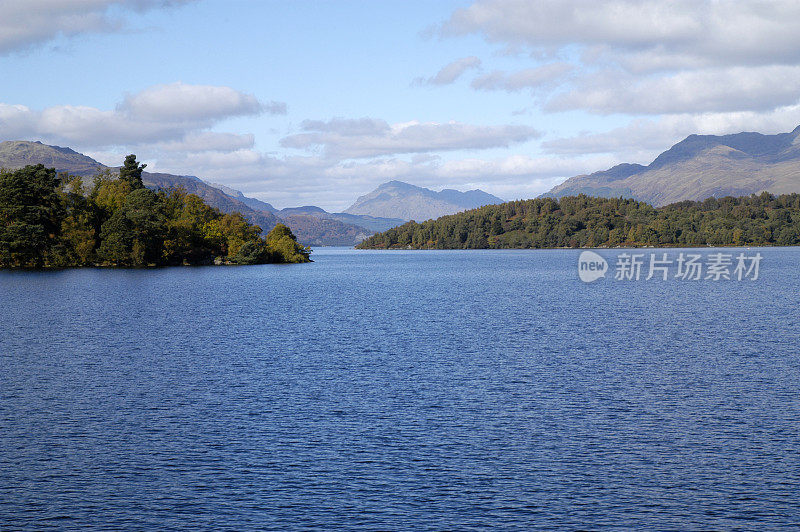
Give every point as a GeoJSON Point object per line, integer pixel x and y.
{"type": "Point", "coordinates": [400, 390]}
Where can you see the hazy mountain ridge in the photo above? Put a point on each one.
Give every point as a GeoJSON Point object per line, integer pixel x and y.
{"type": "Point", "coordinates": [397, 199]}
{"type": "Point", "coordinates": [315, 226]}
{"type": "Point", "coordinates": [698, 167]}
{"type": "Point", "coordinates": [253, 203]}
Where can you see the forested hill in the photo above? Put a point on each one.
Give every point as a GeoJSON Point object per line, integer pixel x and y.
{"type": "Point", "coordinates": [583, 221]}
{"type": "Point", "coordinates": [50, 220]}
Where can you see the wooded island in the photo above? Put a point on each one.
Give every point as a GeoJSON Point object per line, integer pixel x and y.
{"type": "Point", "coordinates": [49, 220]}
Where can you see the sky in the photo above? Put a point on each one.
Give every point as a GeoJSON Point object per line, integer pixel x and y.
{"type": "Point", "coordinates": [301, 102]}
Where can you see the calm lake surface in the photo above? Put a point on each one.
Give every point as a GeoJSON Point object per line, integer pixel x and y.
{"type": "Point", "coordinates": [400, 390]}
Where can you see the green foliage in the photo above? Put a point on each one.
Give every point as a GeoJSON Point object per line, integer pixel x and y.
{"type": "Point", "coordinates": [231, 232]}
{"type": "Point", "coordinates": [49, 221]}
{"type": "Point", "coordinates": [30, 213]}
{"type": "Point", "coordinates": [583, 221]}
{"type": "Point", "coordinates": [131, 172]}
{"type": "Point", "coordinates": [253, 252]}
{"type": "Point", "coordinates": [284, 246]}
{"type": "Point", "coordinates": [134, 233]}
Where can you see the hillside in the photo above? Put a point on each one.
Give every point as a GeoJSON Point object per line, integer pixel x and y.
{"type": "Point", "coordinates": [321, 231]}
{"type": "Point", "coordinates": [396, 199]}
{"type": "Point", "coordinates": [698, 167]}
{"type": "Point", "coordinates": [369, 223]}
{"type": "Point", "coordinates": [15, 154]}
{"type": "Point", "coordinates": [582, 221]}
{"type": "Point", "coordinates": [255, 204]}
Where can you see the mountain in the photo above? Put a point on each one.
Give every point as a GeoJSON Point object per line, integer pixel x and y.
{"type": "Point", "coordinates": [309, 210]}
{"type": "Point", "coordinates": [396, 199]}
{"type": "Point", "coordinates": [17, 154]}
{"type": "Point", "coordinates": [314, 226]}
{"type": "Point", "coordinates": [320, 231]}
{"type": "Point", "coordinates": [370, 223]}
{"type": "Point", "coordinates": [255, 204]}
{"type": "Point", "coordinates": [698, 167]}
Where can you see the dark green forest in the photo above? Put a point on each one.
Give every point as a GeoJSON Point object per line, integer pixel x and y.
{"type": "Point", "coordinates": [583, 221]}
{"type": "Point", "coordinates": [49, 220]}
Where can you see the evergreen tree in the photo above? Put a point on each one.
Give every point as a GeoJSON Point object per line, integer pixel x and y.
{"type": "Point", "coordinates": [131, 172]}
{"type": "Point", "coordinates": [30, 212]}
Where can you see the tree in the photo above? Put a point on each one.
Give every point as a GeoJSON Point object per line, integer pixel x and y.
{"type": "Point", "coordinates": [283, 246]}
{"type": "Point", "coordinates": [131, 172]}
{"type": "Point", "coordinates": [109, 193]}
{"type": "Point", "coordinates": [230, 232]}
{"type": "Point", "coordinates": [134, 234]}
{"type": "Point", "coordinates": [78, 232]}
{"type": "Point", "coordinates": [30, 210]}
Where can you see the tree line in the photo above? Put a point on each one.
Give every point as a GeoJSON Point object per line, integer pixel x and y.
{"type": "Point", "coordinates": [51, 220]}
{"type": "Point", "coordinates": [584, 221]}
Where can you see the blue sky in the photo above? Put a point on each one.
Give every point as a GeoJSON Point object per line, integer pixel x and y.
{"type": "Point", "coordinates": [300, 102]}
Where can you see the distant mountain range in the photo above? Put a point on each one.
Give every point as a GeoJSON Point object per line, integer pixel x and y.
{"type": "Point", "coordinates": [396, 199]}
{"type": "Point", "coordinates": [698, 167]}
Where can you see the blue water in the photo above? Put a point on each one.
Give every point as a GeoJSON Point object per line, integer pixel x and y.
{"type": "Point", "coordinates": [399, 390]}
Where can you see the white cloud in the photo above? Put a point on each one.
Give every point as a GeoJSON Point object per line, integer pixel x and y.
{"type": "Point", "coordinates": [205, 141]}
{"type": "Point", "coordinates": [341, 138]}
{"type": "Point", "coordinates": [642, 57]}
{"type": "Point", "coordinates": [530, 78]}
{"type": "Point", "coordinates": [729, 89]}
{"type": "Point", "coordinates": [176, 113]}
{"type": "Point", "coordinates": [350, 127]}
{"type": "Point", "coordinates": [180, 102]}
{"type": "Point", "coordinates": [30, 22]}
{"type": "Point", "coordinates": [451, 72]}
{"type": "Point", "coordinates": [15, 121]}
{"type": "Point", "coordinates": [722, 32]}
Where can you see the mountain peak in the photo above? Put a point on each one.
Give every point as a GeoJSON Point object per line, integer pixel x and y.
{"type": "Point", "coordinates": [402, 185]}
{"type": "Point", "coordinates": [701, 166]}
{"type": "Point", "coordinates": [397, 199]}
{"type": "Point", "coordinates": [19, 153]}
